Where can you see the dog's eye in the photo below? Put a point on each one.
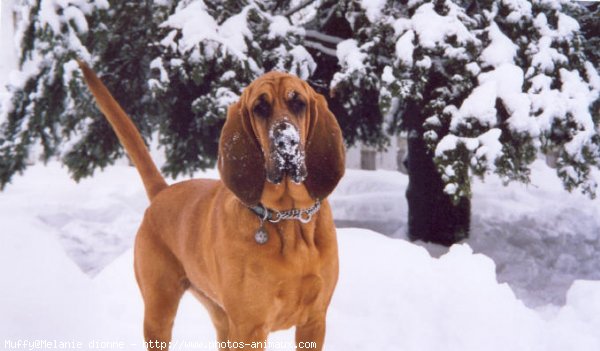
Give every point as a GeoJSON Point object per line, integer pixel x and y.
{"type": "Point", "coordinates": [296, 105]}
{"type": "Point", "coordinates": [262, 108]}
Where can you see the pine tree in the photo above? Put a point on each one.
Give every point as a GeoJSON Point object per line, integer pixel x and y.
{"type": "Point", "coordinates": [50, 102]}
{"type": "Point", "coordinates": [479, 87]}
{"type": "Point", "coordinates": [46, 104]}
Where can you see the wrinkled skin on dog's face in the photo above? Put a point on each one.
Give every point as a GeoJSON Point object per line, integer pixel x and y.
{"type": "Point", "coordinates": [281, 145]}
{"type": "Point", "coordinates": [278, 108]}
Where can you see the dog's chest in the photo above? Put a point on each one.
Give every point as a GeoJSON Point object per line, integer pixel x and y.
{"type": "Point", "coordinates": [305, 276]}
{"type": "Point", "coordinates": [295, 299]}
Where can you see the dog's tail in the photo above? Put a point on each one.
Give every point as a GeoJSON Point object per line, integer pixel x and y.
{"type": "Point", "coordinates": [127, 133]}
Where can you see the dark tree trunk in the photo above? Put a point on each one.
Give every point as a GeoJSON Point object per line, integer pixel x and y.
{"type": "Point", "coordinates": [432, 216]}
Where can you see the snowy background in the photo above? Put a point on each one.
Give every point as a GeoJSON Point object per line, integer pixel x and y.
{"type": "Point", "coordinates": [526, 280]}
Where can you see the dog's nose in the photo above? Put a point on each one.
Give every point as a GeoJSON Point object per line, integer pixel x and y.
{"type": "Point", "coordinates": [287, 156]}
{"type": "Point", "coordinates": [286, 138]}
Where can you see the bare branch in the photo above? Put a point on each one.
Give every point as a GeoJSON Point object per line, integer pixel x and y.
{"type": "Point", "coordinates": [320, 47]}
{"type": "Point", "coordinates": [309, 33]}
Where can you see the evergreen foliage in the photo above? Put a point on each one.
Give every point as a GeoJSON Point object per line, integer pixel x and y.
{"type": "Point", "coordinates": [46, 105]}
{"type": "Point", "coordinates": [487, 85]}
{"type": "Point", "coordinates": [202, 67]}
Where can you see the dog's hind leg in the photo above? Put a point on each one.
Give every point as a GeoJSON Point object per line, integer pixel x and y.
{"type": "Point", "coordinates": [162, 282]}
{"type": "Point", "coordinates": [247, 336]}
{"type": "Point", "coordinates": [217, 315]}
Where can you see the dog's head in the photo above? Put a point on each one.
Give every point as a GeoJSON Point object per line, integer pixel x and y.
{"type": "Point", "coordinates": [280, 131]}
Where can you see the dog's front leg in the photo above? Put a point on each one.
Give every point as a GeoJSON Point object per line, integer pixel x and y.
{"type": "Point", "coordinates": [311, 334]}
{"type": "Point", "coordinates": [247, 336]}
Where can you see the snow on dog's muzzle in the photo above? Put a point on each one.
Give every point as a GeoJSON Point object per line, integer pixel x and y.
{"type": "Point", "coordinates": [287, 153]}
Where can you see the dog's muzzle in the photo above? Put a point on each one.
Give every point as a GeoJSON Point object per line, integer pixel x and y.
{"type": "Point", "coordinates": [286, 154]}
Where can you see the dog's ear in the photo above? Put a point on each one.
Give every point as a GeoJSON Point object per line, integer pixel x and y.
{"type": "Point", "coordinates": [241, 162]}
{"type": "Point", "coordinates": [325, 154]}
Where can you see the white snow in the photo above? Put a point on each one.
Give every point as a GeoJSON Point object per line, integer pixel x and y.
{"type": "Point", "coordinates": [573, 99]}
{"type": "Point", "coordinates": [519, 9]}
{"type": "Point", "coordinates": [235, 31]}
{"type": "Point", "coordinates": [288, 147]}
{"type": "Point", "coordinates": [578, 96]}
{"type": "Point", "coordinates": [74, 14]}
{"type": "Point", "coordinates": [72, 11]}
{"type": "Point", "coordinates": [505, 82]}
{"type": "Point", "coordinates": [450, 188]}
{"type": "Point", "coordinates": [349, 55]}
{"type": "Point", "coordinates": [388, 75]}
{"type": "Point", "coordinates": [48, 15]}
{"type": "Point", "coordinates": [69, 67]}
{"type": "Point", "coordinates": [303, 64]}
{"type": "Point", "coordinates": [401, 25]}
{"type": "Point", "coordinates": [373, 9]}
{"type": "Point", "coordinates": [473, 68]}
{"type": "Point", "coordinates": [448, 143]}
{"type": "Point", "coordinates": [509, 82]}
{"type": "Point", "coordinates": [197, 25]}
{"type": "Point", "coordinates": [424, 63]}
{"type": "Point", "coordinates": [486, 147]}
{"type": "Point", "coordinates": [281, 27]}
{"type": "Point", "coordinates": [432, 29]}
{"type": "Point", "coordinates": [490, 147]}
{"type": "Point", "coordinates": [501, 49]}
{"type": "Point", "coordinates": [479, 105]}
{"type": "Point", "coordinates": [546, 56]}
{"type": "Point", "coordinates": [566, 26]}
{"type": "Point", "coordinates": [405, 48]}
{"type": "Point", "coordinates": [351, 58]}
{"type": "Point", "coordinates": [392, 294]}
{"type": "Point", "coordinates": [524, 229]}
{"type": "Point", "coordinates": [226, 97]}
{"type": "Point", "coordinates": [592, 75]}
{"type": "Point", "coordinates": [168, 41]}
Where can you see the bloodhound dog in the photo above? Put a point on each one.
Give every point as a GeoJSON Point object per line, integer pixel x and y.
{"type": "Point", "coordinates": [258, 248]}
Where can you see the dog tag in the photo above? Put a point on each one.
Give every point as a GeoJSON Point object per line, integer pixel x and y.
{"type": "Point", "coordinates": [261, 236]}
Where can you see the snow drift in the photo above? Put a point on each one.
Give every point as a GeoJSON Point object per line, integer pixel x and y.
{"type": "Point", "coordinates": [392, 295]}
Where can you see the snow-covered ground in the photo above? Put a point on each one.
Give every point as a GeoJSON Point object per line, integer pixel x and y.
{"type": "Point", "coordinates": [66, 268]}
{"type": "Point", "coordinates": [541, 237]}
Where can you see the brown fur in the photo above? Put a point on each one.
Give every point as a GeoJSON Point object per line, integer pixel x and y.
{"type": "Point", "coordinates": [199, 234]}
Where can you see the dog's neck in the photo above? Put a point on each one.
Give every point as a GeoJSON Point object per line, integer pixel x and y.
{"type": "Point", "coordinates": [297, 240]}
{"type": "Point", "coordinates": [286, 195]}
